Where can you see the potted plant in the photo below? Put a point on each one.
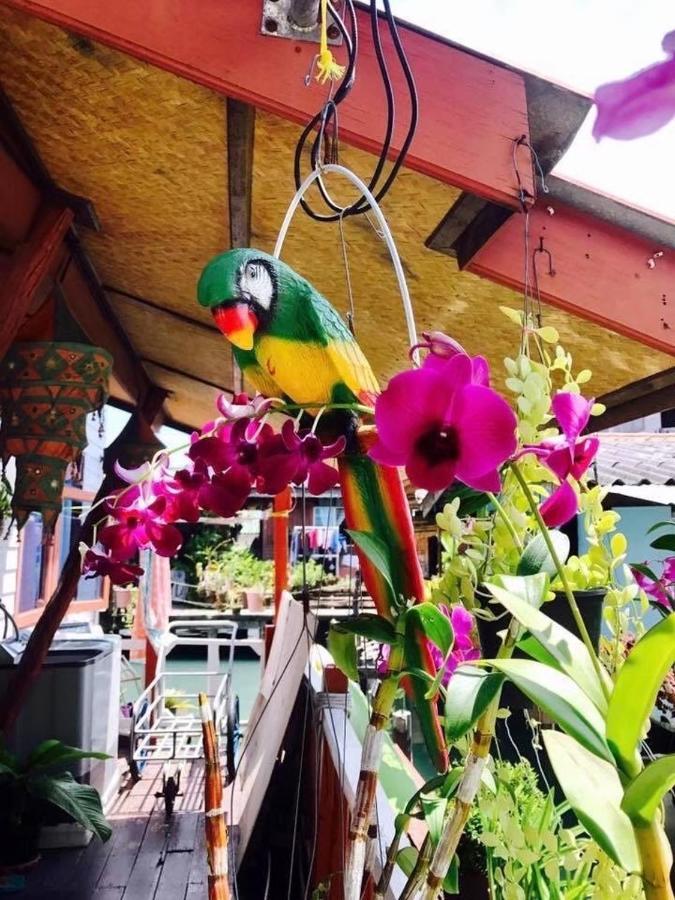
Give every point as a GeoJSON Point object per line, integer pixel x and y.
{"type": "Point", "coordinates": [29, 789]}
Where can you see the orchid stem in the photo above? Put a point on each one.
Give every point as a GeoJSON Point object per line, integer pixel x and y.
{"type": "Point", "coordinates": [574, 606]}
{"type": "Point", "coordinates": [354, 407]}
{"type": "Point", "coordinates": [505, 519]}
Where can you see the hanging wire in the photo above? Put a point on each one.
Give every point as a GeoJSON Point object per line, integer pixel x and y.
{"type": "Point", "coordinates": [330, 112]}
{"type": "Point", "coordinates": [532, 311]}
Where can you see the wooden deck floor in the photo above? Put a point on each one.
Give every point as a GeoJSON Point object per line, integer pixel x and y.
{"type": "Point", "coordinates": [147, 857]}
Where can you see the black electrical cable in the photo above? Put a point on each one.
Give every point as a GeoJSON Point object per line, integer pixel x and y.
{"type": "Point", "coordinates": [384, 153]}
{"type": "Point", "coordinates": [328, 114]}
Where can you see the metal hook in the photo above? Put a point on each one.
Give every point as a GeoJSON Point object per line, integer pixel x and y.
{"type": "Point", "coordinates": [310, 71]}
{"type": "Point", "coordinates": [547, 252]}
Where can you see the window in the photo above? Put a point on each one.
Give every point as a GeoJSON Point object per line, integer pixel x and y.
{"type": "Point", "coordinates": [328, 515]}
{"type": "Point", "coordinates": [70, 525]}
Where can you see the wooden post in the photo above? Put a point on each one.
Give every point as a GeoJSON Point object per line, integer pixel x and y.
{"type": "Point", "coordinates": [216, 832]}
{"type": "Point", "coordinates": [282, 507]}
{"type": "Point", "coordinates": [31, 262]}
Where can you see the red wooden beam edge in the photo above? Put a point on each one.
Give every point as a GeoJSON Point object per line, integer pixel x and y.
{"type": "Point", "coordinates": [470, 109]}
{"type": "Point", "coordinates": [599, 272]}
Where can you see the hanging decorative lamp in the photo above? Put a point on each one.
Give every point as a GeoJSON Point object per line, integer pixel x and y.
{"type": "Point", "coordinates": [47, 388]}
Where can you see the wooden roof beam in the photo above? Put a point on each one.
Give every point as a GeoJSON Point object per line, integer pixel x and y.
{"type": "Point", "coordinates": [473, 108]}
{"type": "Point", "coordinates": [31, 263]}
{"type": "Point", "coordinates": [89, 306]}
{"type": "Point", "coordinates": [636, 400]}
{"type": "Point", "coordinates": [598, 271]}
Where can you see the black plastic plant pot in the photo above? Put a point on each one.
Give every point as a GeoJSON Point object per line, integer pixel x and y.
{"type": "Point", "coordinates": [590, 605]}
{"type": "Point", "coordinates": [18, 844]}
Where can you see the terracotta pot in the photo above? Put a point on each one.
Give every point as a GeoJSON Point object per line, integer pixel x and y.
{"type": "Point", "coordinates": [255, 600]}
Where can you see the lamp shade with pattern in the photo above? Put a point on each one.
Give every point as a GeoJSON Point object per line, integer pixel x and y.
{"type": "Point", "coordinates": [47, 388]}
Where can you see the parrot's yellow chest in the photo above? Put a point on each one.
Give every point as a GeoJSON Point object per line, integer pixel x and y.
{"type": "Point", "coordinates": [304, 372]}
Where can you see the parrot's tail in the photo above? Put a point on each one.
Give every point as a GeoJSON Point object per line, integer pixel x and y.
{"type": "Point", "coordinates": [375, 502]}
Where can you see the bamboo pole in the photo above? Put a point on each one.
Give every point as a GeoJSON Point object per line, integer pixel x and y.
{"type": "Point", "coordinates": [468, 785]}
{"type": "Point", "coordinates": [367, 784]}
{"type": "Point", "coordinates": [216, 831]}
{"type": "Point", "coordinates": [657, 860]}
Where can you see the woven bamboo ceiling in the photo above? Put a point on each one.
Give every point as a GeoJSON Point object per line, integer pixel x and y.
{"type": "Point", "coordinates": [149, 150]}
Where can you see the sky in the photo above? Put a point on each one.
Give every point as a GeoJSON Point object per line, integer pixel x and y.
{"type": "Point", "coordinates": [580, 44]}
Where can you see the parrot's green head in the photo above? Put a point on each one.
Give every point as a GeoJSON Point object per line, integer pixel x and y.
{"type": "Point", "coordinates": [242, 289]}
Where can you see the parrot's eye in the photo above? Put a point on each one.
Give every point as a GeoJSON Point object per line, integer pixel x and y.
{"type": "Point", "coordinates": [257, 284]}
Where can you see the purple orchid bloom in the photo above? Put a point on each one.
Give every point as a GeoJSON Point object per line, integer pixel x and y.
{"type": "Point", "coordinates": [182, 492]}
{"type": "Point", "coordinates": [441, 425]}
{"type": "Point", "coordinates": [568, 454]}
{"type": "Point", "coordinates": [441, 348]}
{"type": "Point", "coordinates": [463, 648]}
{"type": "Point", "coordinates": [226, 493]}
{"type": "Point", "coordinates": [139, 525]}
{"type": "Point", "coordinates": [95, 565]}
{"type": "Point", "coordinates": [561, 506]}
{"type": "Point", "coordinates": [242, 406]}
{"type": "Point", "coordinates": [640, 104]}
{"type": "Point", "coordinates": [659, 589]}
{"type": "Point", "coordinates": [310, 454]}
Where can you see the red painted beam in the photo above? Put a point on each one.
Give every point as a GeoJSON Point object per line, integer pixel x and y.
{"type": "Point", "coordinates": [600, 272]}
{"type": "Point", "coordinates": [19, 201]}
{"type": "Point", "coordinates": [470, 109]}
{"type": "Point", "coordinates": [31, 263]}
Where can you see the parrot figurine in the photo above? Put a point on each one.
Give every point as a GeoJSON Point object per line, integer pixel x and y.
{"type": "Point", "coordinates": [289, 342]}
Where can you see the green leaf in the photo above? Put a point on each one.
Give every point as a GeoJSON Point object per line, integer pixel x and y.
{"type": "Point", "coordinates": [561, 699]}
{"type": "Point", "coordinates": [593, 790]}
{"type": "Point", "coordinates": [406, 860]}
{"type": "Point", "coordinates": [635, 691]}
{"type": "Point", "coordinates": [53, 753]}
{"type": "Point", "coordinates": [644, 794]}
{"type": "Point", "coordinates": [430, 621]}
{"type": "Point", "coordinates": [568, 651]}
{"type": "Point", "coordinates": [470, 693]}
{"type": "Point", "coordinates": [375, 628]}
{"type": "Point", "coordinates": [451, 880]}
{"type": "Point", "coordinates": [664, 542]}
{"type": "Point", "coordinates": [377, 552]}
{"type": "Point", "coordinates": [536, 556]}
{"type": "Point", "coordinates": [342, 647]}
{"type": "Point", "coordinates": [80, 801]}
{"type": "Point", "coordinates": [529, 588]}
{"type": "Point", "coordinates": [657, 525]}
{"type": "Point", "coordinates": [434, 812]}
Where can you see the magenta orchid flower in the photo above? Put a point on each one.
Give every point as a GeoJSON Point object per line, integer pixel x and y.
{"type": "Point", "coordinates": [561, 506]}
{"type": "Point", "coordinates": [441, 348]}
{"type": "Point", "coordinates": [310, 455]}
{"type": "Point", "coordinates": [567, 455]}
{"type": "Point", "coordinates": [463, 648]}
{"type": "Point", "coordinates": [226, 493]}
{"type": "Point", "coordinates": [140, 525]}
{"type": "Point", "coordinates": [441, 425]}
{"type": "Point", "coordinates": [95, 565]}
{"type": "Point", "coordinates": [662, 589]}
{"type": "Point", "coordinates": [182, 492]}
{"type": "Point", "coordinates": [640, 104]}
{"type": "Point", "coordinates": [242, 406]}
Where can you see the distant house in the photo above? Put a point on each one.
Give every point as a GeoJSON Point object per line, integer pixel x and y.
{"type": "Point", "coordinates": [29, 567]}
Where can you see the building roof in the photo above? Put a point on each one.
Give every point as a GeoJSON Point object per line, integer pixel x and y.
{"type": "Point", "coordinates": [147, 148]}
{"type": "Point", "coordinates": [635, 459]}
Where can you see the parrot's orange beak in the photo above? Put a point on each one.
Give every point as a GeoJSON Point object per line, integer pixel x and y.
{"type": "Point", "coordinates": [238, 324]}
